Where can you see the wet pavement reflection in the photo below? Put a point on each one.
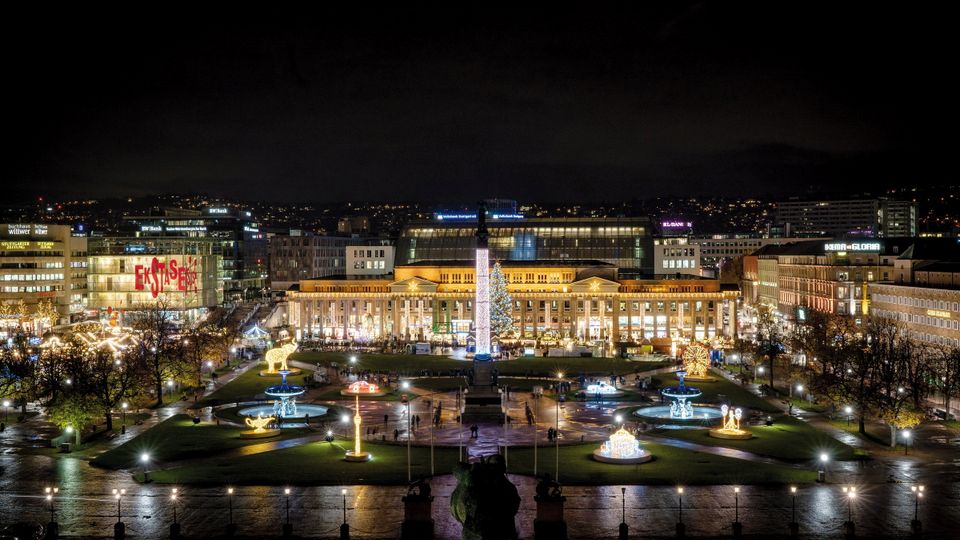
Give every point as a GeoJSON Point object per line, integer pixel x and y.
{"type": "Point", "coordinates": [85, 507]}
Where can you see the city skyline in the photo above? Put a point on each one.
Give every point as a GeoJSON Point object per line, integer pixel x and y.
{"type": "Point", "coordinates": [767, 100]}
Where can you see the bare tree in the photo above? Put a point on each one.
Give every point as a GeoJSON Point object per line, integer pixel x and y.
{"type": "Point", "coordinates": [159, 351]}
{"type": "Point", "coordinates": [945, 372]}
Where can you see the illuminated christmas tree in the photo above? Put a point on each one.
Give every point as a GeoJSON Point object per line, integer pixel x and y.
{"type": "Point", "coordinates": [501, 304]}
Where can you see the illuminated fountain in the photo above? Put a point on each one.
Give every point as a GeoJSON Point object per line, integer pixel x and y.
{"type": "Point", "coordinates": [277, 360]}
{"type": "Point", "coordinates": [259, 427]}
{"type": "Point", "coordinates": [696, 363]}
{"type": "Point", "coordinates": [730, 429]}
{"type": "Point", "coordinates": [681, 409]}
{"type": "Point", "coordinates": [285, 402]}
{"type": "Point", "coordinates": [622, 448]}
{"type": "Point", "coordinates": [356, 455]}
{"type": "Point", "coordinates": [362, 388]}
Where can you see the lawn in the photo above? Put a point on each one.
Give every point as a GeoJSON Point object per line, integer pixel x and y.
{"type": "Point", "coordinates": [322, 464]}
{"type": "Point", "coordinates": [312, 464]}
{"type": "Point", "coordinates": [527, 366]}
{"type": "Point", "coordinates": [246, 387]}
{"type": "Point", "coordinates": [788, 439]}
{"type": "Point", "coordinates": [875, 433]}
{"type": "Point", "coordinates": [178, 438]}
{"type": "Point", "coordinates": [720, 391]}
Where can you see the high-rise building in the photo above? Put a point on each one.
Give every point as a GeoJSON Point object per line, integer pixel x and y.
{"type": "Point", "coordinates": [38, 263]}
{"type": "Point", "coordinates": [299, 256]}
{"type": "Point", "coordinates": [847, 218]}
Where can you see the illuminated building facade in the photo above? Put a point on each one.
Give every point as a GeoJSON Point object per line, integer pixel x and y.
{"type": "Point", "coordinates": [626, 243]}
{"type": "Point", "coordinates": [299, 256]}
{"type": "Point", "coordinates": [39, 263]}
{"type": "Point", "coordinates": [584, 301]}
{"type": "Point", "coordinates": [850, 217]}
{"type": "Point", "coordinates": [127, 273]}
{"type": "Point", "coordinates": [242, 246]}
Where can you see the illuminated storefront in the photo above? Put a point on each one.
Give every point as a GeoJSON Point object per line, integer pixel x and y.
{"type": "Point", "coordinates": [130, 273]}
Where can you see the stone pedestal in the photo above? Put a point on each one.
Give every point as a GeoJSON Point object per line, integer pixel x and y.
{"type": "Point", "coordinates": [737, 529]}
{"type": "Point", "coordinates": [916, 527]}
{"type": "Point", "coordinates": [681, 530]}
{"type": "Point", "coordinates": [119, 531]}
{"type": "Point", "coordinates": [345, 531]}
{"type": "Point", "coordinates": [231, 530]}
{"type": "Point", "coordinates": [174, 531]}
{"type": "Point", "coordinates": [623, 532]}
{"type": "Point", "coordinates": [849, 530]}
{"type": "Point", "coordinates": [794, 529]}
{"type": "Point", "coordinates": [417, 517]}
{"type": "Point", "coordinates": [288, 530]}
{"type": "Point", "coordinates": [549, 523]}
{"type": "Point", "coordinates": [53, 531]}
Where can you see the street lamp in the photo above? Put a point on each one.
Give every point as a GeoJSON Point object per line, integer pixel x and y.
{"type": "Point", "coordinates": [794, 526]}
{"type": "Point", "coordinates": [849, 410]}
{"type": "Point", "coordinates": [174, 527]}
{"type": "Point", "coordinates": [117, 494]}
{"type": "Point", "coordinates": [681, 528]}
{"type": "Point", "coordinates": [404, 385]}
{"type": "Point", "coordinates": [851, 493]}
{"type": "Point", "coordinates": [353, 359]}
{"type": "Point", "coordinates": [6, 409]}
{"type": "Point", "coordinates": [822, 473]}
{"type": "Point", "coordinates": [618, 419]}
{"type": "Point", "coordinates": [230, 526]}
{"type": "Point", "coordinates": [50, 492]}
{"type": "Point", "coordinates": [624, 531]}
{"type": "Point", "coordinates": [917, 495]}
{"type": "Point", "coordinates": [906, 441]}
{"type": "Point", "coordinates": [287, 527]}
{"type": "Point", "coordinates": [406, 401]}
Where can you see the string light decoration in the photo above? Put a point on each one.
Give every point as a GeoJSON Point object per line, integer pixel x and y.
{"type": "Point", "coordinates": [278, 357]}
{"type": "Point", "coordinates": [696, 362]}
{"type": "Point", "coordinates": [258, 427]}
{"type": "Point", "coordinates": [622, 448]}
{"type": "Point", "coordinates": [730, 427]}
{"type": "Point", "coordinates": [362, 388]}
{"type": "Point", "coordinates": [357, 454]}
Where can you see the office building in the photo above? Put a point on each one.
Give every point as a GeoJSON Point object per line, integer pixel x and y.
{"type": "Point", "coordinates": [242, 245]}
{"type": "Point", "coordinates": [299, 256]}
{"type": "Point", "coordinates": [40, 263]}
{"type": "Point", "coordinates": [676, 255]}
{"type": "Point", "coordinates": [847, 218]}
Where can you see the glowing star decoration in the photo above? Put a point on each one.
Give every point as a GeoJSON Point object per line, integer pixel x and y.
{"type": "Point", "coordinates": [412, 286]}
{"type": "Point", "coordinates": [621, 447]}
{"type": "Point", "coordinates": [279, 356]}
{"type": "Point", "coordinates": [696, 361]}
{"type": "Point", "coordinates": [260, 423]}
{"type": "Point", "coordinates": [595, 286]}
{"type": "Point", "coordinates": [730, 427]}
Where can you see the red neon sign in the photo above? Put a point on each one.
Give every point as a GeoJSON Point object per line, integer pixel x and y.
{"type": "Point", "coordinates": [160, 276]}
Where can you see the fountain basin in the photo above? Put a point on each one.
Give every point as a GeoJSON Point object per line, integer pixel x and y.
{"type": "Point", "coordinates": [735, 435]}
{"type": "Point", "coordinates": [599, 456]}
{"type": "Point", "coordinates": [303, 409]}
{"type": "Point", "coordinates": [354, 457]}
{"type": "Point", "coordinates": [660, 414]}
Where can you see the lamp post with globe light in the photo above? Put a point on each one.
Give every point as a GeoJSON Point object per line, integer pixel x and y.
{"type": "Point", "coordinates": [681, 528]}
{"type": "Point", "coordinates": [624, 530]}
{"type": "Point", "coordinates": [287, 527]}
{"type": "Point", "coordinates": [906, 441]}
{"type": "Point", "coordinates": [6, 409]}
{"type": "Point", "coordinates": [737, 526]}
{"type": "Point", "coordinates": [145, 459]}
{"type": "Point", "coordinates": [52, 527]}
{"type": "Point", "coordinates": [849, 527]}
{"type": "Point", "coordinates": [822, 473]}
{"type": "Point", "coordinates": [916, 526]}
{"type": "Point", "coordinates": [794, 526]}
{"type": "Point", "coordinates": [231, 526]}
{"type": "Point", "coordinates": [119, 528]}
{"type": "Point", "coordinates": [556, 435]}
{"type": "Point", "coordinates": [344, 527]}
{"type": "Point", "coordinates": [174, 527]}
{"type": "Point", "coordinates": [849, 411]}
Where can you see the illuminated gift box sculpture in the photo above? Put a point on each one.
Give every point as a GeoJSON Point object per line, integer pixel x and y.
{"type": "Point", "coordinates": [622, 448]}
{"type": "Point", "coordinates": [362, 388]}
{"type": "Point", "coordinates": [731, 425]}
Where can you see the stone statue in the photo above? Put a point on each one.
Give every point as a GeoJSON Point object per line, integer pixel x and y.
{"type": "Point", "coordinates": [547, 489]}
{"type": "Point", "coordinates": [485, 501]}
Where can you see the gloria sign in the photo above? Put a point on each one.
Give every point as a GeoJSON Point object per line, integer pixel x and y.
{"type": "Point", "coordinates": [852, 246]}
{"type": "Point", "coordinates": [174, 274]}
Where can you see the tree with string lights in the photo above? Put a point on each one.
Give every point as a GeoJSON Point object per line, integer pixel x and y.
{"type": "Point", "coordinates": [501, 304]}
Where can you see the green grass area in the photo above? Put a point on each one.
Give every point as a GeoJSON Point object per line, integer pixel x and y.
{"type": "Point", "coordinates": [178, 438]}
{"type": "Point", "coordinates": [311, 464]}
{"type": "Point", "coordinates": [247, 386]}
{"type": "Point", "coordinates": [322, 464]}
{"type": "Point", "coordinates": [406, 364]}
{"type": "Point", "coordinates": [731, 393]}
{"type": "Point", "coordinates": [788, 439]}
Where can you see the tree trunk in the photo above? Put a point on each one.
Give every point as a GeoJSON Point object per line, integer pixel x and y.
{"type": "Point", "coordinates": [771, 373]}
{"type": "Point", "coordinates": [159, 393]}
{"type": "Point", "coordinates": [76, 436]}
{"type": "Point", "coordinates": [860, 426]}
{"type": "Point", "coordinates": [109, 420]}
{"type": "Point", "coordinates": [893, 436]}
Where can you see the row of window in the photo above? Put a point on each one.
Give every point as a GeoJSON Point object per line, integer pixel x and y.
{"type": "Point", "coordinates": [31, 277]}
{"type": "Point", "coordinates": [33, 289]}
{"type": "Point", "coordinates": [369, 253]}
{"type": "Point", "coordinates": [684, 263]}
{"type": "Point", "coordinates": [927, 303]}
{"type": "Point", "coordinates": [370, 265]}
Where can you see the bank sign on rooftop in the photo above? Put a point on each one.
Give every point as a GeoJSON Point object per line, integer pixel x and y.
{"type": "Point", "coordinates": [851, 246]}
{"type": "Point", "coordinates": [463, 216]}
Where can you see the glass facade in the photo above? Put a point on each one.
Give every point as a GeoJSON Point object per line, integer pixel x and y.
{"type": "Point", "coordinates": [624, 242]}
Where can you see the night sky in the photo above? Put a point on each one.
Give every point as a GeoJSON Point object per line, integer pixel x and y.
{"type": "Point", "coordinates": [549, 104]}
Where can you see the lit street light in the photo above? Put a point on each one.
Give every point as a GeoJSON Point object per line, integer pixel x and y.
{"type": "Point", "coordinates": [906, 441]}
{"type": "Point", "coordinates": [681, 528]}
{"type": "Point", "coordinates": [287, 528]}
{"type": "Point", "coordinates": [915, 525]}
{"type": "Point", "coordinates": [849, 410]}
{"type": "Point", "coordinates": [556, 435]}
{"type": "Point", "coordinates": [822, 473]}
{"type": "Point", "coordinates": [118, 528]}
{"type": "Point", "coordinates": [794, 526]}
{"type": "Point", "coordinates": [50, 492]}
{"type": "Point", "coordinates": [6, 409]}
{"type": "Point", "coordinates": [145, 459]}
{"type": "Point", "coordinates": [851, 493]}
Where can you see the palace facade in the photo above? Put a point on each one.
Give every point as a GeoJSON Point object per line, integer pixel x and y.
{"type": "Point", "coordinates": [585, 301]}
